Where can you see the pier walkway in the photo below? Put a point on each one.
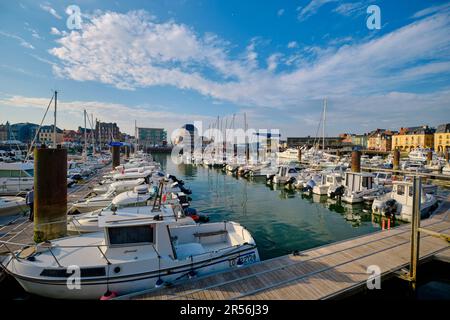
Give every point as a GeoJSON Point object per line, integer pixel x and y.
{"type": "Point", "coordinates": [326, 272]}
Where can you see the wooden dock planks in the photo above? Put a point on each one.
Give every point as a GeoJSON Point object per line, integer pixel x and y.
{"type": "Point", "coordinates": [319, 273]}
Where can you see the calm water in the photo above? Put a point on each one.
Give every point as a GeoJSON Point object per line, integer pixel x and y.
{"type": "Point", "coordinates": [280, 221]}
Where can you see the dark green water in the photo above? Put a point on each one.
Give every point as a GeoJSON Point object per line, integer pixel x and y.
{"type": "Point", "coordinates": [280, 221]}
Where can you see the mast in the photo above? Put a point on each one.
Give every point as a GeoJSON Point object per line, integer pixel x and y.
{"type": "Point", "coordinates": [85, 136]}
{"type": "Point", "coordinates": [136, 138]}
{"type": "Point", "coordinates": [323, 125]}
{"type": "Point", "coordinates": [54, 125]}
{"type": "Point", "coordinates": [92, 132]}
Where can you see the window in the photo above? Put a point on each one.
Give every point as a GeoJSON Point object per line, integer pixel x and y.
{"type": "Point", "coordinates": [130, 235]}
{"type": "Point", "coordinates": [365, 182]}
{"type": "Point", "coordinates": [411, 191]}
{"type": "Point", "coordinates": [400, 190]}
{"type": "Point", "coordinates": [292, 170]}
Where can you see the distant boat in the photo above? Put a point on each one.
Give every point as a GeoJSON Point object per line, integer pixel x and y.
{"type": "Point", "coordinates": [16, 177]}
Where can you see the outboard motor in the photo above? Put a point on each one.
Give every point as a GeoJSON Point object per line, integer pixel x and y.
{"type": "Point", "coordinates": [183, 200]}
{"type": "Point", "coordinates": [183, 189]}
{"type": "Point", "coordinates": [338, 193]}
{"type": "Point", "coordinates": [309, 185]}
{"type": "Point", "coordinates": [269, 178]}
{"type": "Point", "coordinates": [390, 208]}
{"type": "Point", "coordinates": [290, 181]}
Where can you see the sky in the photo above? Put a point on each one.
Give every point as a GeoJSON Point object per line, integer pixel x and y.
{"type": "Point", "coordinates": [164, 63]}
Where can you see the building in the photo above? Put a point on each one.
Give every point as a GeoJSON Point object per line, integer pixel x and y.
{"type": "Point", "coordinates": [346, 138]}
{"type": "Point", "coordinates": [380, 140]}
{"type": "Point", "coordinates": [4, 132]}
{"type": "Point", "coordinates": [24, 132]}
{"type": "Point", "coordinates": [442, 138]}
{"type": "Point", "coordinates": [360, 140]}
{"type": "Point", "coordinates": [414, 137]}
{"type": "Point", "coordinates": [106, 132]}
{"type": "Point", "coordinates": [330, 142]}
{"type": "Point", "coordinates": [71, 136]}
{"type": "Point", "coordinates": [46, 135]}
{"type": "Point", "coordinates": [152, 137]}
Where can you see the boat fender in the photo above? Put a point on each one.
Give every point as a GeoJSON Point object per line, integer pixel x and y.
{"type": "Point", "coordinates": [195, 217]}
{"type": "Point", "coordinates": [108, 295]}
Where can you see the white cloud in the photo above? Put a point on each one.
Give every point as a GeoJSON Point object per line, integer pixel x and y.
{"type": "Point", "coordinates": [272, 61]}
{"type": "Point", "coordinates": [432, 10]}
{"type": "Point", "coordinates": [280, 12]}
{"type": "Point", "coordinates": [46, 7]}
{"type": "Point", "coordinates": [351, 8]}
{"type": "Point", "coordinates": [22, 42]}
{"type": "Point", "coordinates": [292, 44]}
{"type": "Point", "coordinates": [311, 8]}
{"type": "Point", "coordinates": [145, 53]}
{"type": "Point", "coordinates": [55, 31]}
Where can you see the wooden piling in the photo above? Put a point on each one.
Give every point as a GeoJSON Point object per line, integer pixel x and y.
{"type": "Point", "coordinates": [396, 159]}
{"type": "Point", "coordinates": [299, 154]}
{"type": "Point", "coordinates": [356, 161]}
{"type": "Point", "coordinates": [115, 150]}
{"type": "Point", "coordinates": [50, 193]}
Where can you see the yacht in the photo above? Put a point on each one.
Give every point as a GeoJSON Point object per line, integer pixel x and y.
{"type": "Point", "coordinates": [132, 253]}
{"type": "Point", "coordinates": [119, 186]}
{"type": "Point", "coordinates": [419, 154]}
{"type": "Point", "coordinates": [399, 202]}
{"type": "Point", "coordinates": [16, 177]}
{"type": "Point", "coordinates": [12, 205]}
{"type": "Point", "coordinates": [382, 178]}
{"type": "Point", "coordinates": [285, 174]}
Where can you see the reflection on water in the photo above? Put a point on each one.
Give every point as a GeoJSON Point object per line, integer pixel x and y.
{"type": "Point", "coordinates": [280, 220]}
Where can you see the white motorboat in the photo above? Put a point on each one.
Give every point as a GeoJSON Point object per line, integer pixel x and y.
{"type": "Point", "coordinates": [330, 180]}
{"type": "Point", "coordinates": [420, 154]}
{"type": "Point", "coordinates": [16, 177]}
{"type": "Point", "coordinates": [382, 178]}
{"type": "Point", "coordinates": [133, 253]}
{"type": "Point", "coordinates": [285, 174]}
{"type": "Point", "coordinates": [288, 154]}
{"type": "Point", "coordinates": [399, 202]}
{"type": "Point", "coordinates": [359, 185]}
{"type": "Point", "coordinates": [12, 205]}
{"type": "Point", "coordinates": [139, 195]}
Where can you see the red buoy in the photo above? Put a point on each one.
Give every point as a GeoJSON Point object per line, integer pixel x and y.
{"type": "Point", "coordinates": [109, 295]}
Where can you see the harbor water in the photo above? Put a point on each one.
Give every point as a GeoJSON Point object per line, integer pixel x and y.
{"type": "Point", "coordinates": [281, 221]}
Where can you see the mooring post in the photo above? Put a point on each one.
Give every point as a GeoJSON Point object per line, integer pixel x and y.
{"type": "Point", "coordinates": [396, 159]}
{"type": "Point", "coordinates": [115, 150]}
{"type": "Point", "coordinates": [356, 161]}
{"type": "Point", "coordinates": [415, 233]}
{"type": "Point", "coordinates": [429, 157]}
{"type": "Point", "coordinates": [50, 193]}
{"type": "Point", "coordinates": [299, 154]}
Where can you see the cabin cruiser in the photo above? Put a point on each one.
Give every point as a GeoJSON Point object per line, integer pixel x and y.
{"type": "Point", "coordinates": [399, 202]}
{"type": "Point", "coordinates": [359, 185]}
{"type": "Point", "coordinates": [132, 253]}
{"type": "Point", "coordinates": [331, 180]}
{"type": "Point", "coordinates": [419, 154]}
{"type": "Point", "coordinates": [382, 178]}
{"type": "Point", "coordinates": [12, 205]}
{"type": "Point", "coordinates": [289, 154]}
{"type": "Point", "coordinates": [285, 174]}
{"type": "Point", "coordinates": [415, 166]}
{"type": "Point", "coordinates": [16, 177]}
{"type": "Point", "coordinates": [140, 194]}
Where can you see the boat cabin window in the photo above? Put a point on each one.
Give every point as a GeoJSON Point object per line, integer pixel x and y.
{"type": "Point", "coordinates": [411, 191]}
{"type": "Point", "coordinates": [400, 190]}
{"type": "Point", "coordinates": [292, 170]}
{"type": "Point", "coordinates": [366, 182]}
{"type": "Point", "coordinates": [130, 235]}
{"type": "Point", "coordinates": [382, 176]}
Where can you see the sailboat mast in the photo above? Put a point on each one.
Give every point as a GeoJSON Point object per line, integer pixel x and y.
{"type": "Point", "coordinates": [92, 132]}
{"type": "Point", "coordinates": [54, 125]}
{"type": "Point", "coordinates": [85, 135]}
{"type": "Point", "coordinates": [323, 124]}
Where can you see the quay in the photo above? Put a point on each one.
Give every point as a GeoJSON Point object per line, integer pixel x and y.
{"type": "Point", "coordinates": [332, 271]}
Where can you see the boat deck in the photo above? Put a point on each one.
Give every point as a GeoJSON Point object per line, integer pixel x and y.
{"type": "Point", "coordinates": [326, 272]}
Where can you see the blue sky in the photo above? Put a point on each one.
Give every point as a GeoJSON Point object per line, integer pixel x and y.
{"type": "Point", "coordinates": [166, 63]}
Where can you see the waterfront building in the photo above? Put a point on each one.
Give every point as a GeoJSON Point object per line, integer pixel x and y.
{"type": "Point", "coordinates": [107, 132]}
{"type": "Point", "coordinates": [23, 132]}
{"type": "Point", "coordinates": [152, 137]}
{"type": "Point", "coordinates": [4, 132]}
{"type": "Point", "coordinates": [360, 140]}
{"type": "Point", "coordinates": [414, 137]}
{"type": "Point", "coordinates": [442, 138]}
{"type": "Point", "coordinates": [46, 135]}
{"type": "Point", "coordinates": [380, 140]}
